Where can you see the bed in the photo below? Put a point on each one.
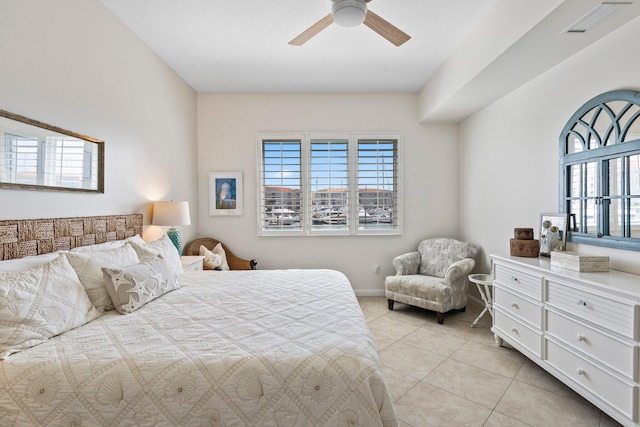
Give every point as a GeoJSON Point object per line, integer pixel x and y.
{"type": "Point", "coordinates": [228, 348]}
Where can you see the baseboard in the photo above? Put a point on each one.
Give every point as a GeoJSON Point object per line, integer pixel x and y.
{"type": "Point", "coordinates": [369, 292]}
{"type": "Point", "coordinates": [475, 299]}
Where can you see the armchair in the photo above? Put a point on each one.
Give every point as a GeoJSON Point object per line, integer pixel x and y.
{"type": "Point", "coordinates": [434, 277]}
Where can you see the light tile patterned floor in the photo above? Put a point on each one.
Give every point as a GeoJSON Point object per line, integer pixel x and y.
{"type": "Point", "coordinates": [455, 375]}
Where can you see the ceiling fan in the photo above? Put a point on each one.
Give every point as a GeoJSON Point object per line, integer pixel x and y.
{"type": "Point", "coordinates": [350, 13]}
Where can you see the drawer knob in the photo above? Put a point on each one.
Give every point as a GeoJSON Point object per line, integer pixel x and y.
{"type": "Point", "coordinates": [514, 305]}
{"type": "Point", "coordinates": [580, 371]}
{"type": "Point", "coordinates": [514, 279]}
{"type": "Point", "coordinates": [514, 330]}
{"type": "Point", "coordinates": [581, 337]}
{"type": "Point", "coordinates": [582, 303]}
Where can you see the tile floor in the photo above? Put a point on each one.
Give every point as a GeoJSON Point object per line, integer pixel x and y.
{"type": "Point", "coordinates": [455, 375]}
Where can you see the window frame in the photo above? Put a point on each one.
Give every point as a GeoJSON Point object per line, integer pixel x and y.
{"type": "Point", "coordinates": [586, 118]}
{"type": "Point", "coordinates": [306, 189]}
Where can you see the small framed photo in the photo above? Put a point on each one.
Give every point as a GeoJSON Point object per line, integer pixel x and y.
{"type": "Point", "coordinates": [225, 193]}
{"type": "Point", "coordinates": [553, 232]}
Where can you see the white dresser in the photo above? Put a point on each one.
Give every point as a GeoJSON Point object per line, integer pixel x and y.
{"type": "Point", "coordinates": [583, 328]}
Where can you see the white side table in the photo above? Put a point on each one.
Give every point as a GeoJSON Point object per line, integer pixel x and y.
{"type": "Point", "coordinates": [484, 283]}
{"type": "Point", "coordinates": [194, 262]}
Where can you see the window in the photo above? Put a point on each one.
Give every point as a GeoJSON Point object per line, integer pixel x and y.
{"type": "Point", "coordinates": [20, 159]}
{"type": "Point", "coordinates": [51, 161]}
{"type": "Point", "coordinates": [600, 171]}
{"type": "Point", "coordinates": [337, 184]}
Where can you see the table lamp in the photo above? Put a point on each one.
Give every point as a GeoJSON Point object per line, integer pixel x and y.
{"type": "Point", "coordinates": [172, 214]}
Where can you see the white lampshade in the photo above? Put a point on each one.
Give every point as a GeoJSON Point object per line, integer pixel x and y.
{"type": "Point", "coordinates": [171, 213]}
{"type": "Point", "coordinates": [349, 13]}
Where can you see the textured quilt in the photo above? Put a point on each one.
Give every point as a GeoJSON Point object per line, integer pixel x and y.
{"type": "Point", "coordinates": [230, 348]}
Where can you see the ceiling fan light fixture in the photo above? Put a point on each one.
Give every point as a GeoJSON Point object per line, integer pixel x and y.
{"type": "Point", "coordinates": [349, 13]}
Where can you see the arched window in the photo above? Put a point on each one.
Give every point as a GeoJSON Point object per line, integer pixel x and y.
{"type": "Point", "coordinates": [600, 171]}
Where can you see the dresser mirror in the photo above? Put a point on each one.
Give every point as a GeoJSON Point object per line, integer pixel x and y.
{"type": "Point", "coordinates": [38, 156]}
{"type": "Point", "coordinates": [599, 179]}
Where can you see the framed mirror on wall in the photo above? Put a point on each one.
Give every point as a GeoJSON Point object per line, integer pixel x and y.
{"type": "Point", "coordinates": [599, 176]}
{"type": "Point", "coordinates": [38, 156]}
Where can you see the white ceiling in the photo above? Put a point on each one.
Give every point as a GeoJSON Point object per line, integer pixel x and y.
{"type": "Point", "coordinates": [242, 45]}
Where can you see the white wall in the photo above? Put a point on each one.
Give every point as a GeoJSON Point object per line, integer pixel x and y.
{"type": "Point", "coordinates": [72, 64]}
{"type": "Point", "coordinates": [509, 150]}
{"type": "Point", "coordinates": [227, 129]}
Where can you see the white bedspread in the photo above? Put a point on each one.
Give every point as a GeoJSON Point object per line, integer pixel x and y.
{"type": "Point", "coordinates": [241, 348]}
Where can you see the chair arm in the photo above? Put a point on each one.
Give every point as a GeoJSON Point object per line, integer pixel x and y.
{"type": "Point", "coordinates": [458, 272]}
{"type": "Point", "coordinates": [237, 263]}
{"type": "Point", "coordinates": [407, 263]}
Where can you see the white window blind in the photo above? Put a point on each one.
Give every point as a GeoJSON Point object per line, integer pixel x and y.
{"type": "Point", "coordinates": [281, 184]}
{"type": "Point", "coordinates": [340, 184]}
{"type": "Point", "coordinates": [20, 159]}
{"type": "Point", "coordinates": [378, 196]}
{"type": "Point", "coordinates": [329, 177]}
{"type": "Point", "coordinates": [64, 162]}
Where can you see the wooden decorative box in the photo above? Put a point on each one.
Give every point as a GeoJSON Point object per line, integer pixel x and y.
{"type": "Point", "coordinates": [576, 261]}
{"type": "Point", "coordinates": [524, 248]}
{"type": "Point", "coordinates": [523, 233]}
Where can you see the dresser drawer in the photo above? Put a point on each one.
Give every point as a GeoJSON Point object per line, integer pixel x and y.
{"type": "Point", "coordinates": [525, 283]}
{"type": "Point", "coordinates": [617, 392]}
{"type": "Point", "coordinates": [517, 331]}
{"type": "Point", "coordinates": [617, 354]}
{"type": "Point", "coordinates": [605, 312]}
{"type": "Point", "coordinates": [518, 307]}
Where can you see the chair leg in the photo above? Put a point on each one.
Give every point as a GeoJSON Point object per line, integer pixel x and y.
{"type": "Point", "coordinates": [440, 317]}
{"type": "Point", "coordinates": [390, 302]}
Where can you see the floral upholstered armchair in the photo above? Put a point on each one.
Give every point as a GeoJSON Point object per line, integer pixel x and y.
{"type": "Point", "coordinates": [434, 277]}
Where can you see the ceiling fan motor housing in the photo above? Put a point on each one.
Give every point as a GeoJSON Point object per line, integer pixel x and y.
{"type": "Point", "coordinates": [349, 13]}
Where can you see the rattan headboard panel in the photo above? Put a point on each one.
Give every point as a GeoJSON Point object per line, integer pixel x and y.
{"type": "Point", "coordinates": [24, 237]}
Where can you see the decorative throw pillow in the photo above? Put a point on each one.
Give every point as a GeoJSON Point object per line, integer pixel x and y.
{"type": "Point", "coordinates": [217, 258]}
{"type": "Point", "coordinates": [39, 303]}
{"type": "Point", "coordinates": [132, 287]}
{"type": "Point", "coordinates": [164, 247]}
{"type": "Point", "coordinates": [88, 267]}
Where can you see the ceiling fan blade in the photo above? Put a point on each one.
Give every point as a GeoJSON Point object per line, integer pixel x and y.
{"type": "Point", "coordinates": [312, 31]}
{"type": "Point", "coordinates": [385, 29]}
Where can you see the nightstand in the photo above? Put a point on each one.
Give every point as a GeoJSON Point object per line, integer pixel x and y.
{"type": "Point", "coordinates": [192, 262]}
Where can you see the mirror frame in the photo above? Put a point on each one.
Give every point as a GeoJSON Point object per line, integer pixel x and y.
{"type": "Point", "coordinates": [39, 124]}
{"type": "Point", "coordinates": [617, 142]}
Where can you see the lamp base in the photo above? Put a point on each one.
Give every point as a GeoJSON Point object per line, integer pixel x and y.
{"type": "Point", "coordinates": [174, 236]}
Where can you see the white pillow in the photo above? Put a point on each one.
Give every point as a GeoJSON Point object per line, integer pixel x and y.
{"type": "Point", "coordinates": [88, 266]}
{"type": "Point", "coordinates": [136, 239]}
{"type": "Point", "coordinates": [163, 247]}
{"type": "Point", "coordinates": [40, 302]}
{"type": "Point", "coordinates": [215, 258]}
{"type": "Point", "coordinates": [27, 262]}
{"type": "Point", "coordinates": [107, 246]}
{"type": "Point", "coordinates": [99, 247]}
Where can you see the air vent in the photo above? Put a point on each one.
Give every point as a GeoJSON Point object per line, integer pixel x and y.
{"type": "Point", "coordinates": [593, 18]}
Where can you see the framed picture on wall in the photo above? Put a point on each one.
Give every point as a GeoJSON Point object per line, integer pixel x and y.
{"type": "Point", "coordinates": [225, 193]}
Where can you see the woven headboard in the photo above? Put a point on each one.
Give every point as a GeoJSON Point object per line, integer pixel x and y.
{"type": "Point", "coordinates": [24, 237]}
